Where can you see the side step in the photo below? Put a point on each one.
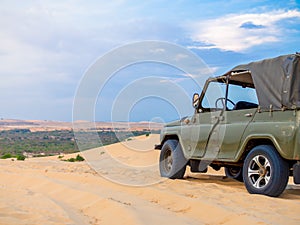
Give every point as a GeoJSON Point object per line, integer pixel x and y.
{"type": "Point", "coordinates": [198, 166]}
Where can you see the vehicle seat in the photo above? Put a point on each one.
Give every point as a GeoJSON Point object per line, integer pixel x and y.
{"type": "Point", "coordinates": [244, 105]}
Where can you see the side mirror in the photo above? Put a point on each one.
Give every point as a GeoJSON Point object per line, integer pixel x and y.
{"type": "Point", "coordinates": [196, 100]}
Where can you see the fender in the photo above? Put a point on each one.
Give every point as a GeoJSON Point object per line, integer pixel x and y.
{"type": "Point", "coordinates": [257, 137]}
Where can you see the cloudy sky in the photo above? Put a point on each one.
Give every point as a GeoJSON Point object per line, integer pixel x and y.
{"type": "Point", "coordinates": [47, 46]}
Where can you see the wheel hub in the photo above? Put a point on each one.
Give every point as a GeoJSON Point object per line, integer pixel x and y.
{"type": "Point", "coordinates": [168, 160]}
{"type": "Point", "coordinates": [259, 171]}
{"type": "Point", "coordinates": [262, 172]}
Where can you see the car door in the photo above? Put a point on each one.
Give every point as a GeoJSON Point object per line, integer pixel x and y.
{"type": "Point", "coordinates": [196, 133]}
{"type": "Point", "coordinates": [199, 129]}
{"type": "Point", "coordinates": [236, 120]}
{"type": "Point", "coordinates": [203, 126]}
{"type": "Point", "coordinates": [233, 126]}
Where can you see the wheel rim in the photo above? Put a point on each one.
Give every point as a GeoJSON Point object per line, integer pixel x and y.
{"type": "Point", "coordinates": [168, 160]}
{"type": "Point", "coordinates": [259, 171]}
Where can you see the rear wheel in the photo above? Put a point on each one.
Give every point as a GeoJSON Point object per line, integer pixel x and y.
{"type": "Point", "coordinates": [265, 172]}
{"type": "Point", "coordinates": [172, 163]}
{"type": "Point", "coordinates": [234, 172]}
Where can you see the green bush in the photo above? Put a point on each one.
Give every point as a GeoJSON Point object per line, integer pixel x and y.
{"type": "Point", "coordinates": [6, 156]}
{"type": "Point", "coordinates": [79, 158]}
{"type": "Point", "coordinates": [21, 157]}
{"type": "Point", "coordinates": [40, 155]}
{"type": "Point", "coordinates": [71, 160]}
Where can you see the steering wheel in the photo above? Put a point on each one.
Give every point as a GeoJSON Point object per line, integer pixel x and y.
{"type": "Point", "coordinates": [222, 99]}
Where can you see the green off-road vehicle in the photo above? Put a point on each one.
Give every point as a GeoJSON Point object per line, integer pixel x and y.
{"type": "Point", "coordinates": [247, 121]}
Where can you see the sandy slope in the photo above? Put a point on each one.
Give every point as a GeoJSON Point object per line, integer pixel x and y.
{"type": "Point", "coordinates": [48, 125]}
{"type": "Point", "coordinates": [49, 191]}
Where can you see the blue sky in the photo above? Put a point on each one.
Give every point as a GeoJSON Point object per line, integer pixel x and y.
{"type": "Point", "coordinates": [46, 47]}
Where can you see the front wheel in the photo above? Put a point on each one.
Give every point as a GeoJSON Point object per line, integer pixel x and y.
{"type": "Point", "coordinates": [172, 163]}
{"type": "Point", "coordinates": [265, 172]}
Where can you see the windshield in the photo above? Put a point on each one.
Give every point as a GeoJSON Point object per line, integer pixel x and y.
{"type": "Point", "coordinates": [214, 91]}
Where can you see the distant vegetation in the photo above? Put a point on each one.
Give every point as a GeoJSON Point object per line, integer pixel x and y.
{"type": "Point", "coordinates": [8, 156]}
{"type": "Point", "coordinates": [78, 158]}
{"type": "Point", "coordinates": [21, 142]}
{"type": "Point", "coordinates": [88, 140]}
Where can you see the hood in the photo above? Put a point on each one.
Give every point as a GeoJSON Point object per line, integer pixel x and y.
{"type": "Point", "coordinates": [176, 122]}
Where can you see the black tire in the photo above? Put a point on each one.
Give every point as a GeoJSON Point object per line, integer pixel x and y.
{"type": "Point", "coordinates": [172, 163]}
{"type": "Point", "coordinates": [234, 172]}
{"type": "Point", "coordinates": [265, 171]}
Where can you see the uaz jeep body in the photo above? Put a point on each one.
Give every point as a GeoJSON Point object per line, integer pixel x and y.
{"type": "Point", "coordinates": [247, 121]}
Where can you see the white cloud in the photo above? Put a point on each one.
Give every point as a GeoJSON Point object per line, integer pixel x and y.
{"type": "Point", "coordinates": [239, 32]}
{"type": "Point", "coordinates": [204, 72]}
{"type": "Point", "coordinates": [157, 50]}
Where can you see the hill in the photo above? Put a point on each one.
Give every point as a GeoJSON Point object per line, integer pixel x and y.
{"type": "Point", "coordinates": [48, 125]}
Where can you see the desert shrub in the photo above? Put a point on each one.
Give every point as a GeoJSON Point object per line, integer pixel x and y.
{"type": "Point", "coordinates": [21, 157]}
{"type": "Point", "coordinates": [71, 160]}
{"type": "Point", "coordinates": [6, 156]}
{"type": "Point", "coordinates": [39, 155]}
{"type": "Point", "coordinates": [79, 158]}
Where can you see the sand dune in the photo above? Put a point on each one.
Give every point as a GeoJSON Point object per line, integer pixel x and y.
{"type": "Point", "coordinates": [48, 125]}
{"type": "Point", "coordinates": [50, 191]}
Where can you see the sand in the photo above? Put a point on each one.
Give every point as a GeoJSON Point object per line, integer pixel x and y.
{"type": "Point", "coordinates": [48, 125]}
{"type": "Point", "coordinates": [50, 191]}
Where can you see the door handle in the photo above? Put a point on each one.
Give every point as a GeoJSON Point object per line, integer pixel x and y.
{"type": "Point", "coordinates": [221, 118]}
{"type": "Point", "coordinates": [248, 114]}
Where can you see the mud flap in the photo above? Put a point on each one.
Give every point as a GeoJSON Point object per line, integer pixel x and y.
{"type": "Point", "coordinates": [157, 147]}
{"type": "Point", "coordinates": [296, 173]}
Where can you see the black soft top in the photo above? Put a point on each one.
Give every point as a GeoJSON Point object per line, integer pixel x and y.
{"type": "Point", "coordinates": [276, 80]}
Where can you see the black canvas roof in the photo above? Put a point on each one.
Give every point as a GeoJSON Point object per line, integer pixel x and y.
{"type": "Point", "coordinates": [276, 80]}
